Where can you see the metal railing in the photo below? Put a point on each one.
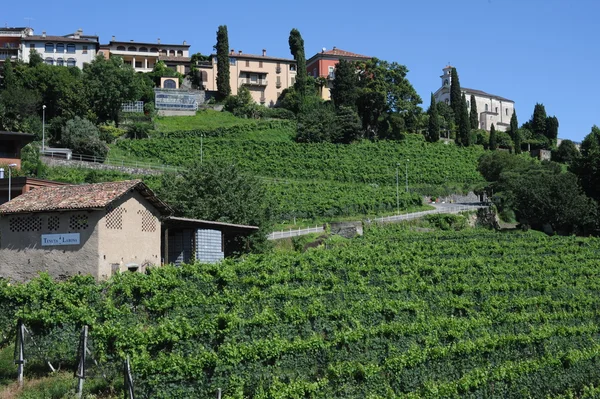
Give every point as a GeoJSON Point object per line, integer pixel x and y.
{"type": "Point", "coordinates": [276, 235]}
{"type": "Point", "coordinates": [78, 159]}
{"type": "Point", "coordinates": [416, 215]}
{"type": "Point", "coordinates": [255, 82]}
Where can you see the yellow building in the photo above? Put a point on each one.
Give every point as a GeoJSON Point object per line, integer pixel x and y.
{"type": "Point", "coordinates": [266, 77]}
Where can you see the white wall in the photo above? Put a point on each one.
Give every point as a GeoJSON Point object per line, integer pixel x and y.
{"type": "Point", "coordinates": [81, 56]}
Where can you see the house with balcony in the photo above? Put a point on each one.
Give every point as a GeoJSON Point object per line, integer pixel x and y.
{"type": "Point", "coordinates": [11, 144]}
{"type": "Point", "coordinates": [74, 50]}
{"type": "Point", "coordinates": [264, 76]}
{"type": "Point", "coordinates": [143, 56]}
{"type": "Point", "coordinates": [323, 65]}
{"type": "Point", "coordinates": [10, 42]}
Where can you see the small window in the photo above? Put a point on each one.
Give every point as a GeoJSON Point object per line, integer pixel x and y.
{"type": "Point", "coordinates": [179, 53]}
{"type": "Point", "coordinates": [448, 102]}
{"type": "Point", "coordinates": [247, 63]}
{"type": "Point", "coordinates": [506, 109]}
{"type": "Point", "coordinates": [49, 61]}
{"type": "Point", "coordinates": [71, 48]}
{"type": "Point", "coordinates": [231, 61]}
{"type": "Point", "coordinates": [446, 82]}
{"type": "Point", "coordinates": [138, 64]}
{"type": "Point", "coordinates": [314, 72]}
{"type": "Point", "coordinates": [60, 62]}
{"type": "Point", "coordinates": [32, 46]}
{"type": "Point", "coordinates": [486, 107]}
{"type": "Point", "coordinates": [154, 50]}
{"type": "Point", "coordinates": [85, 49]}
{"type": "Point", "coordinates": [60, 48]}
{"type": "Point", "coordinates": [71, 62]}
{"type": "Point", "coordinates": [496, 109]}
{"type": "Point", "coordinates": [49, 47]}
{"type": "Point", "coordinates": [468, 104]}
{"type": "Point", "coordinates": [260, 64]}
{"type": "Point", "coordinates": [131, 48]}
{"type": "Point", "coordinates": [172, 53]}
{"type": "Point", "coordinates": [143, 49]}
{"type": "Point", "coordinates": [121, 48]}
{"type": "Point", "coordinates": [292, 67]}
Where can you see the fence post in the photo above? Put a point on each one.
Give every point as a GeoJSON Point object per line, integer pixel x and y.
{"type": "Point", "coordinates": [129, 394]}
{"type": "Point", "coordinates": [82, 355]}
{"type": "Point", "coordinates": [20, 349]}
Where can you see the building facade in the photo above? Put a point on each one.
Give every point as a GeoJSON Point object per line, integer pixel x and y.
{"type": "Point", "coordinates": [143, 56]}
{"type": "Point", "coordinates": [10, 42]}
{"type": "Point", "coordinates": [323, 65]}
{"type": "Point", "coordinates": [11, 144]}
{"type": "Point", "coordinates": [266, 77]}
{"type": "Point", "coordinates": [492, 109]}
{"type": "Point", "coordinates": [73, 50]}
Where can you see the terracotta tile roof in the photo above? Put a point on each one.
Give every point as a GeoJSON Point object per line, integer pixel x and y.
{"type": "Point", "coordinates": [77, 197]}
{"type": "Point", "coordinates": [257, 57]}
{"type": "Point", "coordinates": [336, 52]}
{"type": "Point", "coordinates": [62, 39]}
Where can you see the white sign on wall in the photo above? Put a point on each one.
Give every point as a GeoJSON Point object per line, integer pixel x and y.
{"type": "Point", "coordinates": [60, 239]}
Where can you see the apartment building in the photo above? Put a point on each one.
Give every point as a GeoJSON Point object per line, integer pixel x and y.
{"type": "Point", "coordinates": [266, 77]}
{"type": "Point", "coordinates": [75, 49]}
{"type": "Point", "coordinates": [143, 56]}
{"type": "Point", "coordinates": [323, 65]}
{"type": "Point", "coordinates": [10, 42]}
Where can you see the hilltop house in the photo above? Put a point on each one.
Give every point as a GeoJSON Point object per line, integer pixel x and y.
{"type": "Point", "coordinates": [491, 108]}
{"type": "Point", "coordinates": [75, 49]}
{"type": "Point", "coordinates": [100, 229]}
{"type": "Point", "coordinates": [323, 65]}
{"type": "Point", "coordinates": [10, 42]}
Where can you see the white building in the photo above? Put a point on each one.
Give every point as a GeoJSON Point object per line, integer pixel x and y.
{"type": "Point", "coordinates": [69, 50]}
{"type": "Point", "coordinates": [491, 108]}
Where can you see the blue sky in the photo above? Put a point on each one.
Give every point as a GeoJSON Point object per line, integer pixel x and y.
{"type": "Point", "coordinates": [526, 50]}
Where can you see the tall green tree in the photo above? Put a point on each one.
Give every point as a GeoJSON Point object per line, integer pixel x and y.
{"type": "Point", "coordinates": [345, 85]}
{"type": "Point", "coordinates": [552, 129]}
{"type": "Point", "coordinates": [456, 101]}
{"type": "Point", "coordinates": [587, 166]}
{"type": "Point", "coordinates": [538, 120]}
{"type": "Point", "coordinates": [474, 115]}
{"type": "Point", "coordinates": [566, 152]}
{"type": "Point", "coordinates": [109, 84]}
{"type": "Point", "coordinates": [493, 143]}
{"type": "Point", "coordinates": [297, 49]}
{"type": "Point", "coordinates": [433, 129]}
{"type": "Point", "coordinates": [8, 75]}
{"type": "Point", "coordinates": [464, 126]}
{"type": "Point", "coordinates": [222, 47]}
{"type": "Point", "coordinates": [514, 132]}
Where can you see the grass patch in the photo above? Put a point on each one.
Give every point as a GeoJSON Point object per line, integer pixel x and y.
{"type": "Point", "coordinates": [204, 119]}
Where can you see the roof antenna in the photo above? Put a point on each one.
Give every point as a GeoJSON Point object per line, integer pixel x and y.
{"type": "Point", "coordinates": [28, 19]}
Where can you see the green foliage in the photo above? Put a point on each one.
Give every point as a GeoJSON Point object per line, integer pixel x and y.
{"type": "Point", "coordinates": [109, 133]}
{"type": "Point", "coordinates": [31, 165]}
{"type": "Point", "coordinates": [447, 221]}
{"type": "Point", "coordinates": [538, 120]}
{"type": "Point", "coordinates": [433, 130]}
{"type": "Point", "coordinates": [446, 115]}
{"type": "Point", "coordinates": [464, 127]}
{"type": "Point", "coordinates": [139, 130]}
{"type": "Point", "coordinates": [348, 125]}
{"type": "Point", "coordinates": [514, 132]}
{"type": "Point", "coordinates": [587, 166]}
{"type": "Point", "coordinates": [396, 313]}
{"type": "Point", "coordinates": [344, 91]}
{"type": "Point", "coordinates": [473, 114]}
{"type": "Point", "coordinates": [456, 100]}
{"type": "Point", "coordinates": [222, 47]}
{"type": "Point", "coordinates": [219, 191]}
{"type": "Point", "coordinates": [161, 70]}
{"type": "Point", "coordinates": [242, 105]}
{"type": "Point", "coordinates": [297, 50]}
{"type": "Point", "coordinates": [552, 129]}
{"type": "Point", "coordinates": [566, 152]}
{"type": "Point", "coordinates": [81, 136]}
{"type": "Point", "coordinates": [109, 84]}
{"type": "Point", "coordinates": [317, 124]}
{"type": "Point", "coordinates": [493, 144]}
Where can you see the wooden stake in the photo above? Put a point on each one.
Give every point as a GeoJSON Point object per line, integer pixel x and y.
{"type": "Point", "coordinates": [82, 355]}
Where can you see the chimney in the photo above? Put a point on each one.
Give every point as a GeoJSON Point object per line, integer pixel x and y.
{"type": "Point", "coordinates": [158, 40]}
{"type": "Point", "coordinates": [78, 34]}
{"type": "Point", "coordinates": [240, 52]}
{"type": "Point", "coordinates": [113, 38]}
{"type": "Point", "coordinates": [184, 43]}
{"type": "Point", "coordinates": [44, 34]}
{"type": "Point", "coordinates": [264, 53]}
{"type": "Point", "coordinates": [231, 51]}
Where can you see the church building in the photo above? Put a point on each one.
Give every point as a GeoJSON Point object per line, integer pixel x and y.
{"type": "Point", "coordinates": [491, 108]}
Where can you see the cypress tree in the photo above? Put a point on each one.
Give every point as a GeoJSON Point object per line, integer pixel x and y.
{"type": "Point", "coordinates": [552, 129]}
{"type": "Point", "coordinates": [433, 129]}
{"type": "Point", "coordinates": [344, 90]}
{"type": "Point", "coordinates": [514, 132]}
{"type": "Point", "coordinates": [8, 75]}
{"type": "Point", "coordinates": [463, 125]}
{"type": "Point", "coordinates": [455, 97]}
{"type": "Point", "coordinates": [297, 49]}
{"type": "Point", "coordinates": [493, 144]}
{"type": "Point", "coordinates": [538, 120]}
{"type": "Point", "coordinates": [474, 115]}
{"type": "Point", "coordinates": [222, 47]}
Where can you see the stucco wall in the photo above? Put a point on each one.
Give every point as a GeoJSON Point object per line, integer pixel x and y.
{"type": "Point", "coordinates": [22, 255]}
{"type": "Point", "coordinates": [129, 233]}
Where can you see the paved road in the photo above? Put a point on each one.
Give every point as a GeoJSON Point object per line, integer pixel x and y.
{"type": "Point", "coordinates": [439, 208]}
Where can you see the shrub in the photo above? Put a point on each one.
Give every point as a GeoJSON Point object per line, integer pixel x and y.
{"type": "Point", "coordinates": [81, 136]}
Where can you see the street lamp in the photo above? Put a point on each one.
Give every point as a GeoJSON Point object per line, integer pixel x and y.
{"type": "Point", "coordinates": [407, 174]}
{"type": "Point", "coordinates": [201, 149]}
{"type": "Point", "coordinates": [397, 192]}
{"type": "Point", "coordinates": [10, 166]}
{"type": "Point", "coordinates": [43, 128]}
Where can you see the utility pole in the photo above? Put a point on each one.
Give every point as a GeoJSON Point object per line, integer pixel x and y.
{"type": "Point", "coordinates": [407, 174]}
{"type": "Point", "coordinates": [201, 149]}
{"type": "Point", "coordinates": [397, 192]}
{"type": "Point", "coordinates": [43, 129]}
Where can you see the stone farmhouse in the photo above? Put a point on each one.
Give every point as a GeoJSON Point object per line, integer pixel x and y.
{"type": "Point", "coordinates": [99, 230]}
{"type": "Point", "coordinates": [492, 109]}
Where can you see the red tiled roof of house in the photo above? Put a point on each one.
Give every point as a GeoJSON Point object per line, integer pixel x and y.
{"type": "Point", "coordinates": [343, 53]}
{"type": "Point", "coordinates": [77, 197]}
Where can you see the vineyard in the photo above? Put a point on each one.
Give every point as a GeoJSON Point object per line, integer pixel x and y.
{"type": "Point", "coordinates": [393, 314]}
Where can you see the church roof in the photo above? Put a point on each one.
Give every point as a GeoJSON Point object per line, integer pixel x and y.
{"type": "Point", "coordinates": [484, 94]}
